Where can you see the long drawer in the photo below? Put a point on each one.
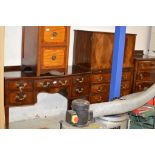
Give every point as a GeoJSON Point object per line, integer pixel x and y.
{"type": "Point", "coordinates": [51, 83]}
{"type": "Point", "coordinates": [140, 86]}
{"type": "Point", "coordinates": [144, 65]}
{"type": "Point", "coordinates": [145, 76]}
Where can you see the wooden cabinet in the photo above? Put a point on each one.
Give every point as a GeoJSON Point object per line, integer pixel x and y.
{"type": "Point", "coordinates": [95, 49]}
{"type": "Point", "coordinates": [45, 48]}
{"type": "Point", "coordinates": [144, 73]}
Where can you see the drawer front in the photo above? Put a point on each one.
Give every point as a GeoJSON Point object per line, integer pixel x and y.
{"type": "Point", "coordinates": [99, 78]}
{"type": "Point", "coordinates": [141, 86]}
{"type": "Point", "coordinates": [51, 83]}
{"type": "Point", "coordinates": [53, 57]}
{"type": "Point", "coordinates": [54, 34]}
{"type": "Point", "coordinates": [144, 65]}
{"type": "Point", "coordinates": [81, 79]}
{"type": "Point", "coordinates": [97, 98]}
{"type": "Point", "coordinates": [125, 85]}
{"type": "Point", "coordinates": [98, 88]}
{"type": "Point", "coordinates": [145, 76]}
{"type": "Point", "coordinates": [20, 98]}
{"type": "Point", "coordinates": [19, 84]}
{"type": "Point", "coordinates": [80, 91]}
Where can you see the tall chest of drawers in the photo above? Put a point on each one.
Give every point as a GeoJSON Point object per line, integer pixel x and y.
{"type": "Point", "coordinates": [144, 73]}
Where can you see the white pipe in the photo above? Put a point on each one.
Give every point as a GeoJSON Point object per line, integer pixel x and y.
{"type": "Point", "coordinates": [124, 104]}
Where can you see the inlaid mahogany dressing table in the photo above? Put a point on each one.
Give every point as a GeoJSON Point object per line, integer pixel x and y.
{"type": "Point", "coordinates": [44, 66]}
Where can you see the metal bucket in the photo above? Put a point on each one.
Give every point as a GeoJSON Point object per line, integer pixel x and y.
{"type": "Point", "coordinates": [114, 122]}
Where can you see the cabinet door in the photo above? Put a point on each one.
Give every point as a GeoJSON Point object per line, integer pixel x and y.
{"type": "Point", "coordinates": [102, 49]}
{"type": "Point", "coordinates": [129, 50]}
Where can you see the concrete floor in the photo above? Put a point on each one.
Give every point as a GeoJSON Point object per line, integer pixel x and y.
{"type": "Point", "coordinates": [38, 123]}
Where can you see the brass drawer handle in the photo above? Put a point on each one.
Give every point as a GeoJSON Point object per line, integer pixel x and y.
{"type": "Point", "coordinates": [53, 57]}
{"type": "Point", "coordinates": [63, 83]}
{"type": "Point", "coordinates": [21, 85]}
{"type": "Point", "coordinates": [80, 80]}
{"type": "Point", "coordinates": [79, 90]}
{"type": "Point", "coordinates": [100, 89]}
{"type": "Point", "coordinates": [100, 79]}
{"type": "Point", "coordinates": [45, 84]}
{"type": "Point", "coordinates": [142, 65]}
{"type": "Point", "coordinates": [100, 99]}
{"type": "Point", "coordinates": [141, 76]}
{"type": "Point", "coordinates": [139, 87]}
{"type": "Point", "coordinates": [53, 35]}
{"type": "Point", "coordinates": [21, 97]}
{"type": "Point", "coordinates": [124, 86]}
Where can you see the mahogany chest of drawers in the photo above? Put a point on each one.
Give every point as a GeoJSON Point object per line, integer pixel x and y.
{"type": "Point", "coordinates": [144, 73]}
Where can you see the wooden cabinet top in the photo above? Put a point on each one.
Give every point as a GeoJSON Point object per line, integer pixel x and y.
{"type": "Point", "coordinates": [144, 58]}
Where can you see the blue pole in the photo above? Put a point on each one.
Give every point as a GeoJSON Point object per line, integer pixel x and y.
{"type": "Point", "coordinates": [117, 63]}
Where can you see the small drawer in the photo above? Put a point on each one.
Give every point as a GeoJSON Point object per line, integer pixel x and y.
{"type": "Point", "coordinates": [141, 86]}
{"type": "Point", "coordinates": [97, 98]}
{"type": "Point", "coordinates": [125, 85]}
{"type": "Point", "coordinates": [98, 88]}
{"type": "Point", "coordinates": [20, 98]}
{"type": "Point", "coordinates": [126, 76]}
{"type": "Point", "coordinates": [99, 78]}
{"type": "Point", "coordinates": [81, 79]}
{"type": "Point", "coordinates": [80, 91]}
{"type": "Point", "coordinates": [144, 65]}
{"type": "Point", "coordinates": [51, 83]}
{"type": "Point", "coordinates": [19, 84]}
{"type": "Point", "coordinates": [53, 57]}
{"type": "Point", "coordinates": [54, 34]}
{"type": "Point", "coordinates": [145, 76]}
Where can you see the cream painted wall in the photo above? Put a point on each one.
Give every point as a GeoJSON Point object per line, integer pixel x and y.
{"type": "Point", "coordinates": [13, 37]}
{"type": "Point", "coordinates": [53, 104]}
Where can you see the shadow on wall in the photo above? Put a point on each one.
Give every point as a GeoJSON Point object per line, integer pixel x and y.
{"type": "Point", "coordinates": [48, 105]}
